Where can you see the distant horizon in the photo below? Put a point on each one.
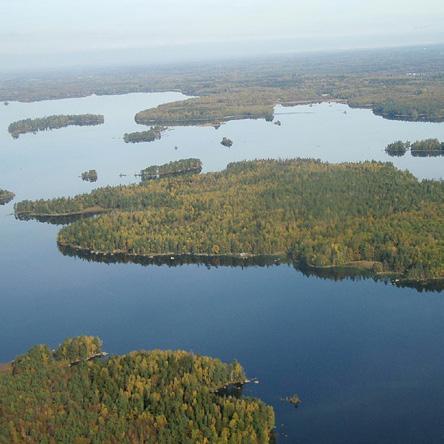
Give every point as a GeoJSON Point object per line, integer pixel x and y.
{"type": "Point", "coordinates": [190, 54]}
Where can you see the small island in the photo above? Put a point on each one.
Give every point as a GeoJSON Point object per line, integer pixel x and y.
{"type": "Point", "coordinates": [175, 168]}
{"type": "Point", "coordinates": [154, 133]}
{"type": "Point", "coordinates": [74, 395]}
{"type": "Point", "coordinates": [397, 148]}
{"type": "Point", "coordinates": [53, 122]}
{"type": "Point", "coordinates": [227, 142]}
{"type": "Point", "coordinates": [293, 400]}
{"type": "Point", "coordinates": [428, 147]}
{"type": "Point", "coordinates": [89, 176]}
{"type": "Point", "coordinates": [6, 196]}
{"type": "Point", "coordinates": [420, 148]}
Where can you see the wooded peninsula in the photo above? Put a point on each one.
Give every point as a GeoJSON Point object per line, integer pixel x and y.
{"type": "Point", "coordinates": [71, 395]}
{"type": "Point", "coordinates": [53, 122]}
{"type": "Point", "coordinates": [306, 211]}
{"type": "Point", "coordinates": [6, 196]}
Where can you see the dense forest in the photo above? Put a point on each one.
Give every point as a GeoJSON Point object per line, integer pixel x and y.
{"type": "Point", "coordinates": [154, 133]}
{"type": "Point", "coordinates": [67, 396]}
{"type": "Point", "coordinates": [420, 148]}
{"type": "Point", "coordinates": [89, 176]}
{"type": "Point", "coordinates": [53, 122]}
{"type": "Point", "coordinates": [313, 213]}
{"type": "Point", "coordinates": [175, 168]}
{"type": "Point", "coordinates": [398, 83]}
{"type": "Point", "coordinates": [6, 196]}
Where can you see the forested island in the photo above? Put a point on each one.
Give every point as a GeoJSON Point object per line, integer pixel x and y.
{"type": "Point", "coordinates": [369, 215]}
{"type": "Point", "coordinates": [175, 168]}
{"type": "Point", "coordinates": [227, 142]}
{"type": "Point", "coordinates": [154, 133]}
{"type": "Point", "coordinates": [70, 395]}
{"type": "Point", "coordinates": [53, 122]}
{"type": "Point", "coordinates": [89, 176]}
{"type": "Point", "coordinates": [420, 148]}
{"type": "Point", "coordinates": [6, 196]}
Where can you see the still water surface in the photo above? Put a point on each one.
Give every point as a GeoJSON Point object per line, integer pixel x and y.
{"type": "Point", "coordinates": [366, 358]}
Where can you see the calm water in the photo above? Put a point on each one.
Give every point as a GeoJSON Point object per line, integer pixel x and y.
{"type": "Point", "coordinates": [366, 358]}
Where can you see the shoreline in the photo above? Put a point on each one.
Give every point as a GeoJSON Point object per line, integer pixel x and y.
{"type": "Point", "coordinates": [360, 268]}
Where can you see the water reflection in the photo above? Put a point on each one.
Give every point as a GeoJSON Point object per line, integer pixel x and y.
{"type": "Point", "coordinates": [335, 274]}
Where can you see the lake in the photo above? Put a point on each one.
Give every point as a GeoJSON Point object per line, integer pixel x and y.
{"type": "Point", "coordinates": [366, 358]}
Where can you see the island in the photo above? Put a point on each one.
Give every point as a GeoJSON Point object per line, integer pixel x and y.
{"type": "Point", "coordinates": [170, 169]}
{"type": "Point", "coordinates": [77, 394]}
{"type": "Point", "coordinates": [154, 133]}
{"type": "Point", "coordinates": [227, 142]}
{"type": "Point", "coordinates": [6, 196]}
{"type": "Point", "coordinates": [427, 147]}
{"type": "Point", "coordinates": [367, 215]}
{"type": "Point", "coordinates": [89, 176]}
{"type": "Point", "coordinates": [397, 148]}
{"type": "Point", "coordinates": [293, 400]}
{"type": "Point", "coordinates": [53, 122]}
{"type": "Point", "coordinates": [420, 148]}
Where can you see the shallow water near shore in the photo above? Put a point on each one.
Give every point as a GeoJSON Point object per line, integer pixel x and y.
{"type": "Point", "coordinates": [366, 358]}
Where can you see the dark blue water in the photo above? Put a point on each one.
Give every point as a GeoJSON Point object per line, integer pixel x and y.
{"type": "Point", "coordinates": [366, 358]}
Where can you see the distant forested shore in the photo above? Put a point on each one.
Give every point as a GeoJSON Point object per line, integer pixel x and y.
{"type": "Point", "coordinates": [53, 122]}
{"type": "Point", "coordinates": [396, 83]}
{"type": "Point", "coordinates": [313, 213]}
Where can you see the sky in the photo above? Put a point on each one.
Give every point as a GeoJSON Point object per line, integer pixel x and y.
{"type": "Point", "coordinates": [45, 31]}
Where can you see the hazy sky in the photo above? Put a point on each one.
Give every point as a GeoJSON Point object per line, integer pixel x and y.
{"type": "Point", "coordinates": [37, 27]}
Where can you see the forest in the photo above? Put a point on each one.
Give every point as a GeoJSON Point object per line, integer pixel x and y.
{"type": "Point", "coordinates": [154, 133]}
{"type": "Point", "coordinates": [305, 211]}
{"type": "Point", "coordinates": [420, 148]}
{"type": "Point", "coordinates": [174, 168]}
{"type": "Point", "coordinates": [141, 397]}
{"type": "Point", "coordinates": [53, 122]}
{"type": "Point", "coordinates": [6, 196]}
